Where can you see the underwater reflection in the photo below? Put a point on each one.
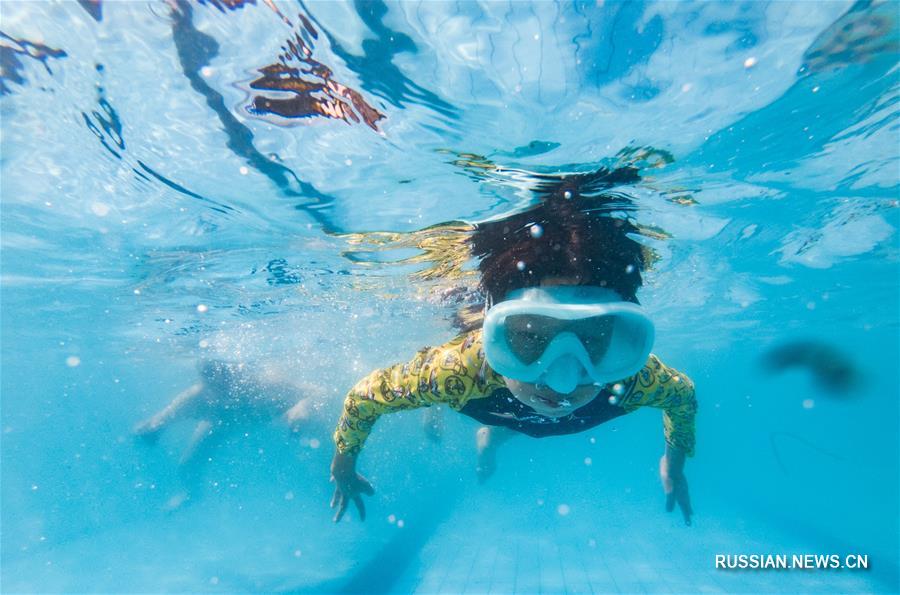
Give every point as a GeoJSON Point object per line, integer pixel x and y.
{"type": "Point", "coordinates": [13, 51]}
{"type": "Point", "coordinates": [318, 94]}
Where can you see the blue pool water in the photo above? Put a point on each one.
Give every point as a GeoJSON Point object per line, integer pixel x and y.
{"type": "Point", "coordinates": [200, 180]}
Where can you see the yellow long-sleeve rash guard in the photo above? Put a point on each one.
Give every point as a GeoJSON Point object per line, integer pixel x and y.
{"type": "Point", "coordinates": [456, 374]}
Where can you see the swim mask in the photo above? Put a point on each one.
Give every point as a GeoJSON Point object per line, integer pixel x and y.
{"type": "Point", "coordinates": [566, 335]}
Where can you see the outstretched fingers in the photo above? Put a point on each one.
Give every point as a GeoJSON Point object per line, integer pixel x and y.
{"type": "Point", "coordinates": [360, 506]}
{"type": "Point", "coordinates": [684, 501]}
{"type": "Point", "coordinates": [365, 487]}
{"type": "Point", "coordinates": [342, 508]}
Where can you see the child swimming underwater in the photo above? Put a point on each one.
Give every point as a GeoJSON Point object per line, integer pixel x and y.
{"type": "Point", "coordinates": [228, 399]}
{"type": "Point", "coordinates": [564, 345]}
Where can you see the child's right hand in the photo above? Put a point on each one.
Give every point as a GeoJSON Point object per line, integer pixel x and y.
{"type": "Point", "coordinates": [348, 485]}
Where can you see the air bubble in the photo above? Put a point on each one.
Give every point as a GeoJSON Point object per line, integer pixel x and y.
{"type": "Point", "coordinates": [536, 231]}
{"type": "Point", "coordinates": [73, 361]}
{"type": "Point", "coordinates": [520, 265]}
{"type": "Point", "coordinates": [100, 209]}
{"type": "Point", "coordinates": [567, 195]}
{"type": "Point", "coordinates": [563, 509]}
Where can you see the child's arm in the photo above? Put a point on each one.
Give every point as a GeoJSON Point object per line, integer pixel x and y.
{"type": "Point", "coordinates": [452, 374]}
{"type": "Point", "coordinates": [660, 386]}
{"type": "Point", "coordinates": [447, 374]}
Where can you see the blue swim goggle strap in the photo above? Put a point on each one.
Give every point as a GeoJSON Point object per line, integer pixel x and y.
{"type": "Point", "coordinates": [564, 336]}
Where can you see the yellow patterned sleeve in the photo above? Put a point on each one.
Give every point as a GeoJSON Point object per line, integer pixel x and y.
{"type": "Point", "coordinates": [660, 386]}
{"type": "Point", "coordinates": [451, 374]}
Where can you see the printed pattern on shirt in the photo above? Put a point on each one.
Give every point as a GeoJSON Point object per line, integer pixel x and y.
{"type": "Point", "coordinates": [451, 374]}
{"type": "Point", "coordinates": [660, 386]}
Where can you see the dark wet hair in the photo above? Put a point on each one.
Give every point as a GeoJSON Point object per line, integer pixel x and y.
{"type": "Point", "coordinates": [571, 233]}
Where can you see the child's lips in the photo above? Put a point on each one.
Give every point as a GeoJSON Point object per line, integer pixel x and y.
{"type": "Point", "coordinates": [550, 402]}
{"type": "Point", "coordinates": [554, 403]}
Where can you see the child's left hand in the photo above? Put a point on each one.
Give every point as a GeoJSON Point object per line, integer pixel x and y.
{"type": "Point", "coordinates": [671, 472]}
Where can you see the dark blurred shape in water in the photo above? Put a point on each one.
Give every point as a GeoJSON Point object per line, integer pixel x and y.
{"type": "Point", "coordinates": [832, 370]}
{"type": "Point", "coordinates": [11, 67]}
{"type": "Point", "coordinates": [93, 8]}
{"type": "Point", "coordinates": [866, 30]}
{"type": "Point", "coordinates": [535, 147]}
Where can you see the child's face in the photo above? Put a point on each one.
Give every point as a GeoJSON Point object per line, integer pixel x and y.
{"type": "Point", "coordinates": [548, 402]}
{"type": "Point", "coordinates": [542, 398]}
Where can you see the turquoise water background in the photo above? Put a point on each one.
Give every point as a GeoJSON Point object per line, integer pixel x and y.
{"type": "Point", "coordinates": [137, 185]}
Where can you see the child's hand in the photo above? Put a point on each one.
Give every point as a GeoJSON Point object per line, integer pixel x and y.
{"type": "Point", "coordinates": [348, 485]}
{"type": "Point", "coordinates": [671, 472]}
